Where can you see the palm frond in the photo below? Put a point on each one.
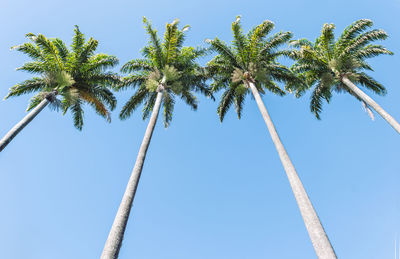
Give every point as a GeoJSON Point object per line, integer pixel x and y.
{"type": "Point", "coordinates": [320, 92]}
{"type": "Point", "coordinates": [29, 49]}
{"type": "Point", "coordinates": [275, 41]}
{"type": "Point", "coordinates": [168, 104]}
{"type": "Point", "coordinates": [35, 101]}
{"type": "Point", "coordinates": [238, 103]}
{"type": "Point", "coordinates": [327, 40]}
{"type": "Point", "coordinates": [87, 50]}
{"type": "Point", "coordinates": [28, 86]}
{"type": "Point", "coordinates": [370, 51]}
{"type": "Point", "coordinates": [77, 114]}
{"type": "Point", "coordinates": [257, 35]}
{"type": "Point", "coordinates": [135, 101]}
{"type": "Point", "coordinates": [224, 51]}
{"type": "Point", "coordinates": [240, 41]}
{"type": "Point", "coordinates": [97, 104]}
{"type": "Point", "coordinates": [77, 41]}
{"type": "Point", "coordinates": [149, 104]}
{"type": "Point", "coordinates": [365, 38]}
{"type": "Point", "coordinates": [227, 99]}
{"type": "Point", "coordinates": [34, 67]}
{"type": "Point", "coordinates": [156, 45]}
{"type": "Point", "coordinates": [352, 31]}
{"type": "Point", "coordinates": [371, 84]}
{"type": "Point", "coordinates": [62, 48]}
{"type": "Point", "coordinates": [137, 65]}
{"type": "Point", "coordinates": [170, 43]}
{"type": "Point", "coordinates": [189, 99]}
{"type": "Point", "coordinates": [101, 62]}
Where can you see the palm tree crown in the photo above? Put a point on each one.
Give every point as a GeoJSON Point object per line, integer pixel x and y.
{"type": "Point", "coordinates": [167, 67]}
{"type": "Point", "coordinates": [253, 57]}
{"type": "Point", "coordinates": [325, 62]}
{"type": "Point", "coordinates": [77, 74]}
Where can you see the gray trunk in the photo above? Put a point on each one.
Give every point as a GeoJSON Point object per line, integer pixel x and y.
{"type": "Point", "coordinates": [317, 234]}
{"type": "Point", "coordinates": [116, 235]}
{"type": "Point", "coordinates": [357, 91]}
{"type": "Point", "coordinates": [20, 125]}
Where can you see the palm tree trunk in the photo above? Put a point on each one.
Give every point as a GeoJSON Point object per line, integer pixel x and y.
{"type": "Point", "coordinates": [116, 235]}
{"type": "Point", "coordinates": [357, 91]}
{"type": "Point", "coordinates": [20, 125]}
{"type": "Point", "coordinates": [319, 239]}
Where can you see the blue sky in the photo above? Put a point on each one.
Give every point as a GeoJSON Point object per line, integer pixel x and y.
{"type": "Point", "coordinates": [208, 190]}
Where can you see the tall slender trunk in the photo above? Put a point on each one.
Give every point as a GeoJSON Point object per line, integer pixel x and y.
{"type": "Point", "coordinates": [363, 96]}
{"type": "Point", "coordinates": [20, 125]}
{"type": "Point", "coordinates": [116, 235]}
{"type": "Point", "coordinates": [317, 234]}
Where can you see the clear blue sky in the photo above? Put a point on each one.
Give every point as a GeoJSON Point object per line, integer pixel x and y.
{"type": "Point", "coordinates": [208, 190]}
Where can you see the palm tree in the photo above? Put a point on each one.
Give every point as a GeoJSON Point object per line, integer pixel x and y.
{"type": "Point", "coordinates": [250, 65]}
{"type": "Point", "coordinates": [77, 75]}
{"type": "Point", "coordinates": [168, 70]}
{"type": "Point", "coordinates": [330, 65]}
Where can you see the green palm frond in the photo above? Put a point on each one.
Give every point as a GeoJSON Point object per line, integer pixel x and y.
{"type": "Point", "coordinates": [155, 48]}
{"type": "Point", "coordinates": [257, 35]}
{"type": "Point", "coordinates": [132, 80]}
{"type": "Point", "coordinates": [135, 101]}
{"type": "Point", "coordinates": [148, 106]}
{"type": "Point", "coordinates": [371, 50]}
{"type": "Point", "coordinates": [371, 83]}
{"type": "Point", "coordinates": [136, 65]}
{"type": "Point", "coordinates": [77, 41]}
{"type": "Point", "coordinates": [326, 41]}
{"type": "Point", "coordinates": [77, 114]}
{"type": "Point", "coordinates": [227, 99]}
{"type": "Point", "coordinates": [352, 31]}
{"type": "Point", "coordinates": [88, 50]}
{"type": "Point", "coordinates": [225, 52]}
{"type": "Point", "coordinates": [276, 41]}
{"type": "Point", "coordinates": [100, 62]}
{"type": "Point", "coordinates": [35, 100]}
{"type": "Point", "coordinates": [170, 44]}
{"type": "Point", "coordinates": [168, 104]}
{"type": "Point", "coordinates": [34, 67]}
{"type": "Point", "coordinates": [62, 49]}
{"type": "Point", "coordinates": [363, 39]}
{"type": "Point", "coordinates": [190, 99]}
{"type": "Point", "coordinates": [240, 42]}
{"type": "Point", "coordinates": [28, 86]}
{"type": "Point", "coordinates": [33, 51]}
{"type": "Point", "coordinates": [239, 102]}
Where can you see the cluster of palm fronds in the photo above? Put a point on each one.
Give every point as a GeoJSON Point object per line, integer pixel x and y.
{"type": "Point", "coordinates": [78, 75]}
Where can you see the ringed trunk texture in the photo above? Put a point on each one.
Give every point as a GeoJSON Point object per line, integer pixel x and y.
{"type": "Point", "coordinates": [363, 96]}
{"type": "Point", "coordinates": [319, 239]}
{"type": "Point", "coordinates": [116, 235]}
{"type": "Point", "coordinates": [20, 125]}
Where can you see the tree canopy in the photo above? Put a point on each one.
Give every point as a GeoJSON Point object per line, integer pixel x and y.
{"type": "Point", "coordinates": [324, 62]}
{"type": "Point", "coordinates": [251, 57]}
{"type": "Point", "coordinates": [167, 66]}
{"type": "Point", "coordinates": [76, 74]}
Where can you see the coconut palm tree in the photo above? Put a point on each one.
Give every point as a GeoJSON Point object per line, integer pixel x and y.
{"type": "Point", "coordinates": [77, 75]}
{"type": "Point", "coordinates": [330, 65]}
{"type": "Point", "coordinates": [250, 66]}
{"type": "Point", "coordinates": [167, 71]}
